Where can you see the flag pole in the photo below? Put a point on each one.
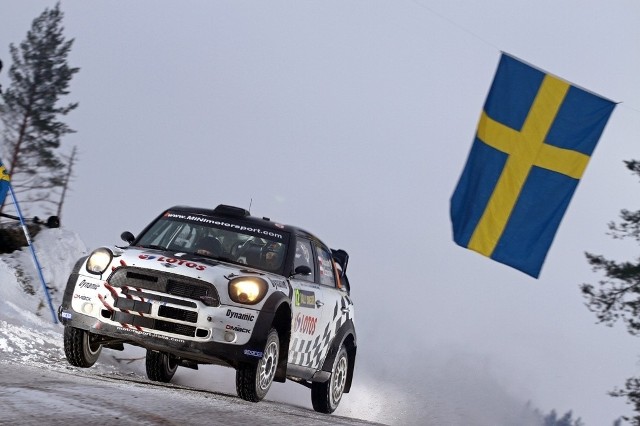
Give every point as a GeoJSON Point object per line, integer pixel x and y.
{"type": "Point", "coordinates": [33, 253]}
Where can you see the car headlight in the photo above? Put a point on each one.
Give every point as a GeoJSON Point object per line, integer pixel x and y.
{"type": "Point", "coordinates": [99, 260]}
{"type": "Point", "coordinates": [247, 290]}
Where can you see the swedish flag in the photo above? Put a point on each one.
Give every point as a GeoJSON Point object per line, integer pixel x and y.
{"type": "Point", "coordinates": [4, 183]}
{"type": "Point", "coordinates": [534, 140]}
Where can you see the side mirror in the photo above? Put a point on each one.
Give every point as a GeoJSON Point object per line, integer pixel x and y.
{"type": "Point", "coordinates": [302, 270]}
{"type": "Point", "coordinates": [127, 236]}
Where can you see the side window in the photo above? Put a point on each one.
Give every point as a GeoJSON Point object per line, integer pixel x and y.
{"type": "Point", "coordinates": [325, 267]}
{"type": "Point", "coordinates": [304, 257]}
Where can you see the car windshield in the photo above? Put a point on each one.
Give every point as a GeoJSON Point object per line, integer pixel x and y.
{"type": "Point", "coordinates": [221, 239]}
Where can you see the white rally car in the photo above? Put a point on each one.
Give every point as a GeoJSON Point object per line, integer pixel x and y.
{"type": "Point", "coordinates": [218, 286]}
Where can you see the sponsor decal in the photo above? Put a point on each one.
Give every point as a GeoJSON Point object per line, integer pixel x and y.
{"type": "Point", "coordinates": [91, 286]}
{"type": "Point", "coordinates": [326, 267]}
{"type": "Point", "coordinates": [82, 297]}
{"type": "Point", "coordinates": [305, 324]}
{"type": "Point", "coordinates": [171, 262]}
{"type": "Point", "coordinates": [249, 352]}
{"type": "Point", "coordinates": [146, 333]}
{"type": "Point", "coordinates": [238, 329]}
{"type": "Point", "coordinates": [66, 315]}
{"type": "Point", "coordinates": [305, 299]}
{"type": "Point", "coordinates": [279, 284]}
{"type": "Point", "coordinates": [240, 228]}
{"type": "Point", "coordinates": [238, 315]}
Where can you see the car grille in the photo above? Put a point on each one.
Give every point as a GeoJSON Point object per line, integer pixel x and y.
{"type": "Point", "coordinates": [135, 303]}
{"type": "Point", "coordinates": [164, 282]}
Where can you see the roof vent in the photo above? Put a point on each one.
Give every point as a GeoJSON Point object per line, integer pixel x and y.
{"type": "Point", "coordinates": [224, 210]}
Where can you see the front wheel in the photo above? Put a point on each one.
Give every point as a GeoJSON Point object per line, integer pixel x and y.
{"type": "Point", "coordinates": [160, 366]}
{"type": "Point", "coordinates": [81, 347]}
{"type": "Point", "coordinates": [325, 396]}
{"type": "Point", "coordinates": [253, 381]}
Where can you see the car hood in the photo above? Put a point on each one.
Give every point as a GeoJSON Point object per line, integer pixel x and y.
{"type": "Point", "coordinates": [178, 263]}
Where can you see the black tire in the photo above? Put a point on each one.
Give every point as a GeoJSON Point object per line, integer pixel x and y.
{"type": "Point", "coordinates": [253, 381]}
{"type": "Point", "coordinates": [80, 347]}
{"type": "Point", "coordinates": [325, 396]}
{"type": "Point", "coordinates": [160, 366]}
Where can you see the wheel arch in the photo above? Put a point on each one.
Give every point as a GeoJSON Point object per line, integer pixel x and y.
{"type": "Point", "coordinates": [282, 323]}
{"type": "Point", "coordinates": [70, 287]}
{"type": "Point", "coordinates": [346, 336]}
{"type": "Point", "coordinates": [350, 345]}
{"type": "Point", "coordinates": [280, 307]}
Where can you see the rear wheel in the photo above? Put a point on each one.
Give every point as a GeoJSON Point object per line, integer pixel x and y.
{"type": "Point", "coordinates": [325, 396]}
{"type": "Point", "coordinates": [253, 381]}
{"type": "Point", "coordinates": [160, 366]}
{"type": "Point", "coordinates": [81, 347]}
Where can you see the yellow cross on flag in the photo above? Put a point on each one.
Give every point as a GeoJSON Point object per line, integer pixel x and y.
{"type": "Point", "coordinates": [534, 140]}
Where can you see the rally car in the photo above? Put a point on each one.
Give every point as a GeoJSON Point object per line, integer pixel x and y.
{"type": "Point", "coordinates": [219, 286]}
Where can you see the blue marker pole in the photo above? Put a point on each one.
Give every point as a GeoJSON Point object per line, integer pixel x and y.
{"type": "Point", "coordinates": [33, 253]}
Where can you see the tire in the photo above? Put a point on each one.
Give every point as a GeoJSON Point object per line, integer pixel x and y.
{"type": "Point", "coordinates": [325, 396]}
{"type": "Point", "coordinates": [253, 381]}
{"type": "Point", "coordinates": [81, 347]}
{"type": "Point", "coordinates": [160, 366]}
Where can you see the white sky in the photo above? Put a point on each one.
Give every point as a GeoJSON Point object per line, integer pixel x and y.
{"type": "Point", "coordinates": [354, 120]}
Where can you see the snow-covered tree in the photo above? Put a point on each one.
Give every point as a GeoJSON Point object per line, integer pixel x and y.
{"type": "Point", "coordinates": [30, 111]}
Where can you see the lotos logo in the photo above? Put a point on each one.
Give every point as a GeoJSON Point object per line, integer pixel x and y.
{"type": "Point", "coordinates": [172, 262]}
{"type": "Point", "coordinates": [305, 324]}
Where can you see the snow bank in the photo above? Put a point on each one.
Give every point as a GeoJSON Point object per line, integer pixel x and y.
{"type": "Point", "coordinates": [28, 334]}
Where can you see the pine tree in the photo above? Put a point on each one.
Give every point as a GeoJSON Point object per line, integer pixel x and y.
{"type": "Point", "coordinates": [66, 180]}
{"type": "Point", "coordinates": [39, 76]}
{"type": "Point", "coordinates": [617, 297]}
{"type": "Point", "coordinates": [552, 419]}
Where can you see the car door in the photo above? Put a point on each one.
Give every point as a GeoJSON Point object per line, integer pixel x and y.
{"type": "Point", "coordinates": [336, 304]}
{"type": "Point", "coordinates": [307, 312]}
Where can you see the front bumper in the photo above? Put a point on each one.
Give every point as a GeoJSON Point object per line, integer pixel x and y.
{"type": "Point", "coordinates": [170, 313]}
{"type": "Point", "coordinates": [199, 352]}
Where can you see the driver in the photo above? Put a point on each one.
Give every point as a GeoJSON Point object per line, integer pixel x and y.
{"type": "Point", "coordinates": [273, 256]}
{"type": "Point", "coordinates": [209, 246]}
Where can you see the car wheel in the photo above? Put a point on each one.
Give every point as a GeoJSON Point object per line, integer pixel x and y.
{"type": "Point", "coordinates": [160, 366]}
{"type": "Point", "coordinates": [81, 347]}
{"type": "Point", "coordinates": [253, 381]}
{"type": "Point", "coordinates": [325, 396]}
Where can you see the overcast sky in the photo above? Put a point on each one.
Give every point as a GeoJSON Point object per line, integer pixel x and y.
{"type": "Point", "coordinates": [353, 119]}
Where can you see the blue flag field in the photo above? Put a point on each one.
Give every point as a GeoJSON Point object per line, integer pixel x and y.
{"type": "Point", "coordinates": [4, 183]}
{"type": "Point", "coordinates": [535, 136]}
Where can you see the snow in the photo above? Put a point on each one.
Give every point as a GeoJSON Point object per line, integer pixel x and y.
{"type": "Point", "coordinates": [28, 334]}
{"type": "Point", "coordinates": [29, 339]}
{"type": "Point", "coordinates": [445, 390]}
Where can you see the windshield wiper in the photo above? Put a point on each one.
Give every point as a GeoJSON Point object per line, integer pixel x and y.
{"type": "Point", "coordinates": [154, 247]}
{"type": "Point", "coordinates": [221, 258]}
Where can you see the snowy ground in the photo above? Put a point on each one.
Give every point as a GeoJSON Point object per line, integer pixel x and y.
{"type": "Point", "coordinates": [38, 386]}
{"type": "Point", "coordinates": [457, 392]}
